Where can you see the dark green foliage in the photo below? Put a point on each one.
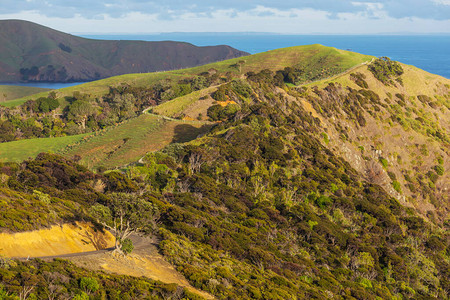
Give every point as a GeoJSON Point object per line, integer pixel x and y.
{"type": "Point", "coordinates": [439, 169]}
{"type": "Point", "coordinates": [127, 246]}
{"type": "Point", "coordinates": [219, 113]}
{"type": "Point", "coordinates": [358, 78]}
{"type": "Point", "coordinates": [119, 182]}
{"type": "Point", "coordinates": [47, 104]}
{"type": "Point", "coordinates": [386, 70]}
{"type": "Point", "coordinates": [290, 75]}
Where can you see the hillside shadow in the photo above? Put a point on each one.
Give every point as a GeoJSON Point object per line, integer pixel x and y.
{"type": "Point", "coordinates": [186, 132]}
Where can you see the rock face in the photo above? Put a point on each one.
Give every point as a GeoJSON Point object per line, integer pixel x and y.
{"type": "Point", "coordinates": [30, 52]}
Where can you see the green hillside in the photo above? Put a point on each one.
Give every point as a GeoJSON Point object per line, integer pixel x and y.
{"type": "Point", "coordinates": [309, 173]}
{"type": "Point", "coordinates": [115, 146]}
{"type": "Point", "coordinates": [128, 142]}
{"type": "Point", "coordinates": [316, 61]}
{"type": "Point", "coordinates": [18, 151]}
{"type": "Point", "coordinates": [52, 56]}
{"type": "Point", "coordinates": [10, 92]}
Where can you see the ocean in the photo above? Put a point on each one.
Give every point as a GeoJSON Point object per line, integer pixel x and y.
{"type": "Point", "coordinates": [428, 52]}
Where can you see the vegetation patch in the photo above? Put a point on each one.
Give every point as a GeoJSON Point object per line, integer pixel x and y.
{"type": "Point", "coordinates": [386, 70]}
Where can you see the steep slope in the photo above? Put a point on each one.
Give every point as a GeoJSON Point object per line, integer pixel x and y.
{"type": "Point", "coordinates": [303, 189]}
{"type": "Point", "coordinates": [30, 52]}
{"type": "Point", "coordinates": [395, 135]}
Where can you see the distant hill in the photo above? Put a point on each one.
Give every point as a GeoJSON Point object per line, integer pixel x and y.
{"type": "Point", "coordinates": [31, 52]}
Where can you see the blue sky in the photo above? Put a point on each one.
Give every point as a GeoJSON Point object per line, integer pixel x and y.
{"type": "Point", "coordinates": [286, 16]}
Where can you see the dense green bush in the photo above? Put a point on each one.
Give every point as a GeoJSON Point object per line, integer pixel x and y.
{"type": "Point", "coordinates": [386, 70]}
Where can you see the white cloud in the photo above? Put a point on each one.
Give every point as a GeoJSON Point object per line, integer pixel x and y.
{"type": "Point", "coordinates": [370, 20]}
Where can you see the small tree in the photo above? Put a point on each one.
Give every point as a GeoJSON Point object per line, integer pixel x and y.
{"type": "Point", "coordinates": [79, 111]}
{"type": "Point", "coordinates": [126, 214]}
{"type": "Point", "coordinates": [89, 285]}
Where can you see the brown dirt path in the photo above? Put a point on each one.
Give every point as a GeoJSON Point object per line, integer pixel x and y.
{"type": "Point", "coordinates": [145, 261]}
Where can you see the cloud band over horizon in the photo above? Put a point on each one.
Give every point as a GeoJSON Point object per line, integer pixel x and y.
{"type": "Point", "coordinates": [289, 16]}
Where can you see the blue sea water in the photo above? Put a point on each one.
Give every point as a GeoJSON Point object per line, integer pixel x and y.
{"type": "Point", "coordinates": [428, 52]}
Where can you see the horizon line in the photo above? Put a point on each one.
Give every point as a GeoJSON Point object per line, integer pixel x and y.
{"type": "Point", "coordinates": [257, 33]}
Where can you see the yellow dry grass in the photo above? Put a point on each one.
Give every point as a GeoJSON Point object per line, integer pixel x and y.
{"type": "Point", "coordinates": [225, 103]}
{"type": "Point", "coordinates": [56, 240]}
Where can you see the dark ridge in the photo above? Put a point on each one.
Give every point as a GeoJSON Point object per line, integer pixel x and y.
{"type": "Point", "coordinates": [33, 53]}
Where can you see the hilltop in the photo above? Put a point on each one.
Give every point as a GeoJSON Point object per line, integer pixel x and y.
{"type": "Point", "coordinates": [30, 52]}
{"type": "Point", "coordinates": [316, 61]}
{"type": "Point", "coordinates": [299, 173]}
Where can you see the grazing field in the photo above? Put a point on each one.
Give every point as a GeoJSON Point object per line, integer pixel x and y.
{"type": "Point", "coordinates": [114, 146]}
{"type": "Point", "coordinates": [189, 105]}
{"type": "Point", "coordinates": [129, 141]}
{"type": "Point", "coordinates": [18, 151]}
{"type": "Point", "coordinates": [11, 92]}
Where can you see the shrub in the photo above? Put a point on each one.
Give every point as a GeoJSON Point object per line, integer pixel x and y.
{"type": "Point", "coordinates": [127, 246]}
{"type": "Point", "coordinates": [323, 201]}
{"type": "Point", "coordinates": [439, 170]}
{"type": "Point", "coordinates": [358, 78]}
{"type": "Point", "coordinates": [219, 113]}
{"type": "Point", "coordinates": [385, 70]}
{"type": "Point", "coordinates": [326, 139]}
{"type": "Point", "coordinates": [89, 284]}
{"type": "Point", "coordinates": [82, 296]}
{"type": "Point", "coordinates": [384, 162]}
{"type": "Point", "coordinates": [396, 185]}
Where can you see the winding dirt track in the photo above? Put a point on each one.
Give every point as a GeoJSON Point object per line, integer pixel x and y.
{"type": "Point", "coordinates": [139, 243]}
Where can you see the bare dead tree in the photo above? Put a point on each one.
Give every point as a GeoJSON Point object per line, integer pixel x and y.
{"type": "Point", "coordinates": [195, 162]}
{"type": "Point", "coordinates": [25, 291]}
{"type": "Point", "coordinates": [375, 173]}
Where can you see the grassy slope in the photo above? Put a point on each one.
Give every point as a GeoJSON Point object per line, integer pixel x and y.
{"type": "Point", "coordinates": [10, 92]}
{"type": "Point", "coordinates": [176, 106]}
{"type": "Point", "coordinates": [18, 151]}
{"type": "Point", "coordinates": [316, 55]}
{"type": "Point", "coordinates": [132, 139]}
{"type": "Point", "coordinates": [115, 146]}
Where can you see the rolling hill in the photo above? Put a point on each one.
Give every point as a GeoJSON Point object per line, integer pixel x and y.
{"type": "Point", "coordinates": [321, 174]}
{"type": "Point", "coordinates": [317, 61]}
{"type": "Point", "coordinates": [31, 52]}
{"type": "Point", "coordinates": [10, 92]}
